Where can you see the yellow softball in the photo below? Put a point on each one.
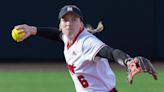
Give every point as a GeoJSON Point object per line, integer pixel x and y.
{"type": "Point", "coordinates": [16, 35]}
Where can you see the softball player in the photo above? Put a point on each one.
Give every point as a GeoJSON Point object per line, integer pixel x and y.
{"type": "Point", "coordinates": [86, 56]}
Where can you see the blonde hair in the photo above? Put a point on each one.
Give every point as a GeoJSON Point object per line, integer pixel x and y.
{"type": "Point", "coordinates": [99, 28]}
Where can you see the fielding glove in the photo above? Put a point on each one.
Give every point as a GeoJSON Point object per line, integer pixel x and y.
{"type": "Point", "coordinates": [137, 65]}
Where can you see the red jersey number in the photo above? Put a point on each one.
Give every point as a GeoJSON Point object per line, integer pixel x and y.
{"type": "Point", "coordinates": [83, 82]}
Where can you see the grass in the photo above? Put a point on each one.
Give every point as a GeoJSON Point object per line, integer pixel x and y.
{"type": "Point", "coordinates": [60, 81]}
{"type": "Point", "coordinates": [35, 81]}
{"type": "Point", "coordinates": [142, 82]}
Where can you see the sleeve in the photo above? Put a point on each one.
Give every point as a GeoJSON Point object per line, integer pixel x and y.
{"type": "Point", "coordinates": [106, 52]}
{"type": "Point", "coordinates": [50, 33]}
{"type": "Point", "coordinates": [114, 54]}
{"type": "Point", "coordinates": [91, 47]}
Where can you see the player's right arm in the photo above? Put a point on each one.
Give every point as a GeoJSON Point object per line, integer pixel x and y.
{"type": "Point", "coordinates": [50, 33]}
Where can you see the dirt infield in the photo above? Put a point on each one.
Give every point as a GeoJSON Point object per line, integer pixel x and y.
{"type": "Point", "coordinates": [55, 66]}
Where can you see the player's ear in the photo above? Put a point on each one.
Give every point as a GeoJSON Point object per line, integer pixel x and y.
{"type": "Point", "coordinates": [60, 27]}
{"type": "Point", "coordinates": [82, 25]}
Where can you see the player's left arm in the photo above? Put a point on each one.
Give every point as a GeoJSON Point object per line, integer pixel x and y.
{"type": "Point", "coordinates": [134, 65]}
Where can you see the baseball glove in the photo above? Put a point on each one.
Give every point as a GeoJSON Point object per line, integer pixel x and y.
{"type": "Point", "coordinates": [137, 65]}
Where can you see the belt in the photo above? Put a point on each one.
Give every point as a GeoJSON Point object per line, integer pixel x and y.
{"type": "Point", "coordinates": [113, 90]}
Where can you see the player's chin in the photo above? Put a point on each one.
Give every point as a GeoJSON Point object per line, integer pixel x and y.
{"type": "Point", "coordinates": [68, 33]}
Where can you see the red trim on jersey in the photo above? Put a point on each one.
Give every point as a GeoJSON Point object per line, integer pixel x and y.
{"type": "Point", "coordinates": [69, 45]}
{"type": "Point", "coordinates": [71, 68]}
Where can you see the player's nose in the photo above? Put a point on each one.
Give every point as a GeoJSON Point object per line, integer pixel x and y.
{"type": "Point", "coordinates": [68, 23]}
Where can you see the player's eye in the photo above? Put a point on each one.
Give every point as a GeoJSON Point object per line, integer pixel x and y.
{"type": "Point", "coordinates": [74, 19]}
{"type": "Point", "coordinates": [64, 19]}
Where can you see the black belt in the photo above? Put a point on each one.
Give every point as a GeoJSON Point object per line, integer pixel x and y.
{"type": "Point", "coordinates": [113, 90]}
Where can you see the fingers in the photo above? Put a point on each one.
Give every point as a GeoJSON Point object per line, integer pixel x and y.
{"type": "Point", "coordinates": [26, 36]}
{"type": "Point", "coordinates": [153, 72]}
{"type": "Point", "coordinates": [21, 31]}
{"type": "Point", "coordinates": [130, 78]}
{"type": "Point", "coordinates": [151, 69]}
{"type": "Point", "coordinates": [155, 76]}
{"type": "Point", "coordinates": [132, 74]}
{"type": "Point", "coordinates": [28, 30]}
{"type": "Point", "coordinates": [147, 67]}
{"type": "Point", "coordinates": [23, 26]}
{"type": "Point", "coordinates": [134, 68]}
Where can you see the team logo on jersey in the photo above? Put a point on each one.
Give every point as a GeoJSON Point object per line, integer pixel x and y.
{"type": "Point", "coordinates": [71, 68]}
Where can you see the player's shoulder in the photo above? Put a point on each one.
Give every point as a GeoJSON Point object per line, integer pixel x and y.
{"type": "Point", "coordinates": [87, 37]}
{"type": "Point", "coordinates": [85, 34]}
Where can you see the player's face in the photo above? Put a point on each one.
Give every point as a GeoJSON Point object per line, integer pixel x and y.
{"type": "Point", "coordinates": [70, 25]}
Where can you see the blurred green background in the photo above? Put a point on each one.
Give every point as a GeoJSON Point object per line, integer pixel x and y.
{"type": "Point", "coordinates": [55, 80]}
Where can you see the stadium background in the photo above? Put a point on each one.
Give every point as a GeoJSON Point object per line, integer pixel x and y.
{"type": "Point", "coordinates": [135, 26]}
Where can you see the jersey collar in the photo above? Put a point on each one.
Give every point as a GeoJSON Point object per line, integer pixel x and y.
{"type": "Point", "coordinates": [69, 45]}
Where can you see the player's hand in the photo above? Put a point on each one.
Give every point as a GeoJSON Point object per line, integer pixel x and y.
{"type": "Point", "coordinates": [140, 64]}
{"type": "Point", "coordinates": [29, 30]}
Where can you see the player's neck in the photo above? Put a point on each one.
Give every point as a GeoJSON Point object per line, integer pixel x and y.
{"type": "Point", "coordinates": [72, 39]}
